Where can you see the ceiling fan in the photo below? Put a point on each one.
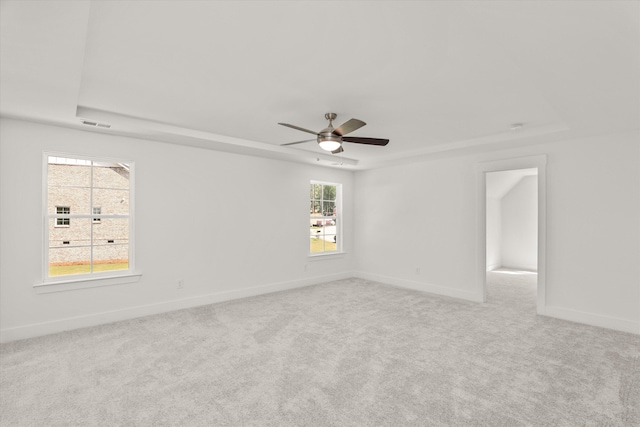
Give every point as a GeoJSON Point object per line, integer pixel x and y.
{"type": "Point", "coordinates": [331, 139]}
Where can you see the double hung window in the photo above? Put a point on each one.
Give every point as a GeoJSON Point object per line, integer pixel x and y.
{"type": "Point", "coordinates": [324, 217]}
{"type": "Point", "coordinates": [63, 221]}
{"type": "Point", "coordinates": [87, 217]}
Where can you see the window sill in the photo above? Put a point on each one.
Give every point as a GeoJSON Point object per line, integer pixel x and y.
{"type": "Point", "coordinates": [70, 284]}
{"type": "Point", "coordinates": [326, 256]}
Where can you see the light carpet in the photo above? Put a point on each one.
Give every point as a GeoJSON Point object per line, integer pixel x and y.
{"type": "Point", "coordinates": [345, 353]}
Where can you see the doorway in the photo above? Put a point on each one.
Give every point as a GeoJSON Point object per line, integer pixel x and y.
{"type": "Point", "coordinates": [515, 243]}
{"type": "Point", "coordinates": [512, 237]}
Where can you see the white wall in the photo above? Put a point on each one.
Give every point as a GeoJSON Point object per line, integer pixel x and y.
{"type": "Point", "coordinates": [418, 216]}
{"type": "Point", "coordinates": [416, 227]}
{"type": "Point", "coordinates": [519, 225]}
{"type": "Point", "coordinates": [423, 215]}
{"type": "Point", "coordinates": [494, 233]}
{"type": "Point", "coordinates": [231, 226]}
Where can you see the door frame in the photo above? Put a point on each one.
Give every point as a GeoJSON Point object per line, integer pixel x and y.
{"type": "Point", "coordinates": [539, 162]}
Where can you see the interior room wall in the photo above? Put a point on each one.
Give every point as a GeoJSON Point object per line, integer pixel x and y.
{"type": "Point", "coordinates": [228, 225]}
{"type": "Point", "coordinates": [417, 227]}
{"type": "Point", "coordinates": [519, 225]}
{"type": "Point", "coordinates": [494, 233]}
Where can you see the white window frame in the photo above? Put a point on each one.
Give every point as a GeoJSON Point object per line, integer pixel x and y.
{"type": "Point", "coordinates": [93, 279]}
{"type": "Point", "coordinates": [338, 217]}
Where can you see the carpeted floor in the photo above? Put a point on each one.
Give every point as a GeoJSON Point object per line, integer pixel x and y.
{"type": "Point", "coordinates": [345, 353]}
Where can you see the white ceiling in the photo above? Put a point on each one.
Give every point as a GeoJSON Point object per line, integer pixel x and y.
{"type": "Point", "coordinates": [432, 76]}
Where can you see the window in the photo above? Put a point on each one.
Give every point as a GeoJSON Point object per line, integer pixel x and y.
{"type": "Point", "coordinates": [96, 211]}
{"type": "Point", "coordinates": [324, 217]}
{"type": "Point", "coordinates": [61, 221]}
{"type": "Point", "coordinates": [87, 217]}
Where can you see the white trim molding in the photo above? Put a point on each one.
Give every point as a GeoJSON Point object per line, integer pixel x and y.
{"type": "Point", "coordinates": [419, 286]}
{"type": "Point", "coordinates": [71, 323]}
{"type": "Point", "coordinates": [593, 319]}
{"type": "Point", "coordinates": [68, 283]}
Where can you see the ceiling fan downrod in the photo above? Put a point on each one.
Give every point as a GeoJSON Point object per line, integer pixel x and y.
{"type": "Point", "coordinates": [331, 117]}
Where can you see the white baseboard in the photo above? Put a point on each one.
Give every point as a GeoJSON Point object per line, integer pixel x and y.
{"type": "Point", "coordinates": [492, 267]}
{"type": "Point", "coordinates": [420, 286]}
{"type": "Point", "coordinates": [593, 319]}
{"type": "Point", "coordinates": [46, 328]}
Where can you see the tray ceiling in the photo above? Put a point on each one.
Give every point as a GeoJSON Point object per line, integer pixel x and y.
{"type": "Point", "coordinates": [431, 76]}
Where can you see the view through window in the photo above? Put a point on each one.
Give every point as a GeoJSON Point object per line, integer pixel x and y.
{"type": "Point", "coordinates": [323, 217]}
{"type": "Point", "coordinates": [87, 216]}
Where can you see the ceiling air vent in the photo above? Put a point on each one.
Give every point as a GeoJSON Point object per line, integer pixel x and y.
{"type": "Point", "coordinates": [96, 124]}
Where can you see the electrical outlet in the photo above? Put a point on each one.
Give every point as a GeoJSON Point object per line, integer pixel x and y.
{"type": "Point", "coordinates": [417, 270]}
{"type": "Point", "coordinates": [180, 283]}
{"type": "Point", "coordinates": [305, 267]}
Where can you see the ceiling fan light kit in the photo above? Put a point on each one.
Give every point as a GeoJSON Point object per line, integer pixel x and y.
{"type": "Point", "coordinates": [331, 139]}
{"type": "Point", "coordinates": [328, 143]}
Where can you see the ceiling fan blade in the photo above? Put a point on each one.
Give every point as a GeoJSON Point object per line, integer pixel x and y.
{"type": "Point", "coordinates": [338, 150]}
{"type": "Point", "coordinates": [369, 141]}
{"type": "Point", "coordinates": [348, 127]}
{"type": "Point", "coordinates": [298, 128]}
{"type": "Point", "coordinates": [299, 142]}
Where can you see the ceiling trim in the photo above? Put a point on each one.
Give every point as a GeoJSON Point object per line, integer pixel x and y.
{"type": "Point", "coordinates": [148, 129]}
